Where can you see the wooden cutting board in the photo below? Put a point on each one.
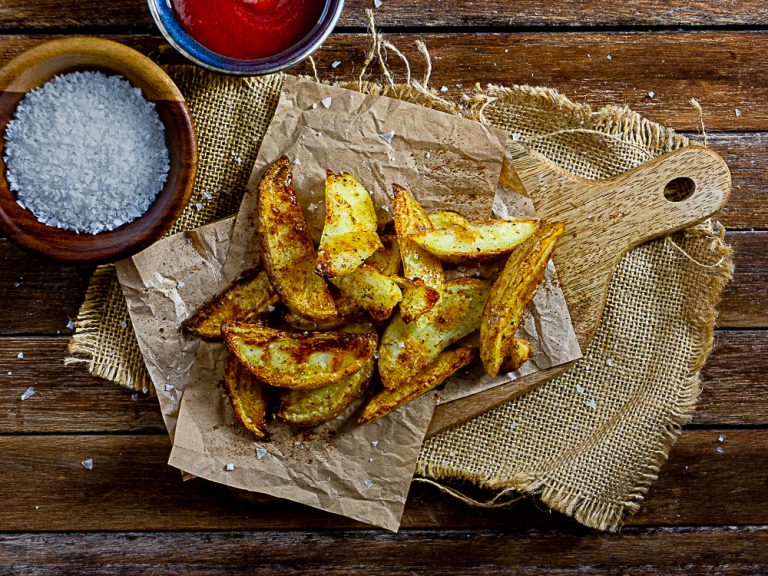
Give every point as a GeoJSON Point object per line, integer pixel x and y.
{"type": "Point", "coordinates": [604, 220]}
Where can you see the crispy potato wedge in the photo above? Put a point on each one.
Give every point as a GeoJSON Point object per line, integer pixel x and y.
{"type": "Point", "coordinates": [248, 396]}
{"type": "Point", "coordinates": [314, 407]}
{"type": "Point", "coordinates": [520, 352]}
{"type": "Point", "coordinates": [472, 241]}
{"type": "Point", "coordinates": [511, 293]}
{"type": "Point", "coordinates": [285, 241]}
{"type": "Point", "coordinates": [349, 234]}
{"type": "Point", "coordinates": [418, 298]}
{"type": "Point", "coordinates": [248, 296]}
{"type": "Point", "coordinates": [410, 219]}
{"type": "Point", "coordinates": [446, 218]}
{"type": "Point", "coordinates": [307, 325]}
{"type": "Point", "coordinates": [298, 360]}
{"type": "Point", "coordinates": [407, 348]}
{"type": "Point", "coordinates": [387, 258]}
{"type": "Point", "coordinates": [434, 374]}
{"type": "Point", "coordinates": [376, 293]}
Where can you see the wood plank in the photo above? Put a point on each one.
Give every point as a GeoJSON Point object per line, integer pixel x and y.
{"type": "Point", "coordinates": [676, 551]}
{"type": "Point", "coordinates": [718, 68]}
{"type": "Point", "coordinates": [131, 488]}
{"type": "Point", "coordinates": [419, 13]}
{"type": "Point", "coordinates": [745, 298]}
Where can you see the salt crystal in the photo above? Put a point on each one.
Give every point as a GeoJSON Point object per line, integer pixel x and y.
{"type": "Point", "coordinates": [28, 393]}
{"type": "Point", "coordinates": [87, 464]}
{"type": "Point", "coordinates": [428, 155]}
{"type": "Point", "coordinates": [516, 136]}
{"type": "Point", "coordinates": [135, 397]}
{"type": "Point", "coordinates": [721, 438]}
{"type": "Point", "coordinates": [719, 449]}
{"type": "Point", "coordinates": [374, 443]}
{"type": "Point", "coordinates": [37, 507]}
{"type": "Point", "coordinates": [651, 94]}
{"type": "Point", "coordinates": [71, 324]}
{"type": "Point", "coordinates": [327, 102]}
{"type": "Point", "coordinates": [368, 483]}
{"type": "Point", "coordinates": [312, 207]}
{"type": "Point", "coordinates": [401, 344]}
{"type": "Point", "coordinates": [10, 373]}
{"type": "Point", "coordinates": [459, 85]}
{"type": "Point", "coordinates": [180, 284]}
{"type": "Point", "coordinates": [144, 390]}
{"type": "Point", "coordinates": [452, 454]}
{"type": "Point", "coordinates": [387, 136]}
{"type": "Point", "coordinates": [229, 467]}
{"type": "Point", "coordinates": [20, 355]}
{"type": "Point", "coordinates": [738, 113]}
{"type": "Point", "coordinates": [609, 362]}
{"type": "Point", "coordinates": [506, 50]}
{"type": "Point", "coordinates": [296, 161]}
{"type": "Point", "coordinates": [123, 324]}
{"type": "Point", "coordinates": [385, 208]}
{"type": "Point", "coordinates": [260, 452]}
{"type": "Point", "coordinates": [198, 206]}
{"type": "Point", "coordinates": [336, 64]}
{"type": "Point", "coordinates": [512, 425]}
{"type": "Point", "coordinates": [591, 403]}
{"type": "Point", "coordinates": [168, 387]}
{"type": "Point", "coordinates": [86, 152]}
{"type": "Point", "coordinates": [314, 106]}
{"type": "Point", "coordinates": [270, 308]}
{"type": "Point", "coordinates": [370, 459]}
{"type": "Point", "coordinates": [207, 196]}
{"type": "Point", "coordinates": [443, 89]}
{"type": "Point", "coordinates": [238, 159]}
{"type": "Point", "coordinates": [579, 388]}
{"type": "Point", "coordinates": [377, 3]}
{"type": "Point", "coordinates": [16, 284]}
{"type": "Point", "coordinates": [609, 57]}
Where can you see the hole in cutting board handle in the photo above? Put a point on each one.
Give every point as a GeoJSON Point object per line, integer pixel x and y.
{"type": "Point", "coordinates": [679, 189]}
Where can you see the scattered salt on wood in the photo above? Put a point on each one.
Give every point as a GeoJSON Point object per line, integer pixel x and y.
{"type": "Point", "coordinates": [609, 57]}
{"type": "Point", "coordinates": [387, 136]}
{"type": "Point", "coordinates": [651, 94]}
{"type": "Point", "coordinates": [260, 452]}
{"type": "Point", "coordinates": [87, 464]}
{"type": "Point", "coordinates": [135, 397]}
{"type": "Point", "coordinates": [738, 113]}
{"type": "Point", "coordinates": [377, 3]}
{"type": "Point", "coordinates": [719, 449]}
{"type": "Point", "coordinates": [428, 155]}
{"type": "Point", "coordinates": [16, 284]}
{"type": "Point", "coordinates": [28, 393]}
{"type": "Point", "coordinates": [229, 467]}
{"type": "Point", "coordinates": [71, 324]}
{"type": "Point", "coordinates": [86, 152]}
{"type": "Point", "coordinates": [336, 64]}
{"type": "Point", "coordinates": [20, 355]}
{"type": "Point", "coordinates": [326, 101]}
{"type": "Point", "coordinates": [721, 438]}
{"type": "Point", "coordinates": [443, 89]}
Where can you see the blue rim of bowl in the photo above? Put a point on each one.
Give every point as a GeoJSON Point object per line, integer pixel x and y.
{"type": "Point", "coordinates": [174, 33]}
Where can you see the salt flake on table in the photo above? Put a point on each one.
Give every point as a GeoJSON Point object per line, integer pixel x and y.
{"type": "Point", "coordinates": [336, 64]}
{"type": "Point", "coordinates": [135, 397]}
{"type": "Point", "coordinates": [87, 464]}
{"type": "Point", "coordinates": [71, 324]}
{"type": "Point", "coordinates": [738, 113]}
{"type": "Point", "coordinates": [651, 94]}
{"type": "Point", "coordinates": [16, 284]}
{"type": "Point", "coordinates": [28, 393]}
{"type": "Point", "coordinates": [377, 3]}
{"type": "Point", "coordinates": [260, 452]}
{"type": "Point", "coordinates": [20, 355]}
{"type": "Point", "coordinates": [592, 404]}
{"type": "Point", "coordinates": [721, 438]}
{"type": "Point", "coordinates": [443, 89]}
{"type": "Point", "coordinates": [609, 57]}
{"type": "Point", "coordinates": [326, 101]}
{"type": "Point", "coordinates": [719, 449]}
{"type": "Point", "coordinates": [387, 136]}
{"type": "Point", "coordinates": [229, 467]}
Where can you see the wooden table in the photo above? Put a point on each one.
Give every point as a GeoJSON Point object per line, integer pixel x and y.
{"type": "Point", "coordinates": [131, 514]}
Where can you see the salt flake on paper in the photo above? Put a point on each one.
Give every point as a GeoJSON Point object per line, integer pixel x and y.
{"type": "Point", "coordinates": [374, 443]}
{"type": "Point", "coordinates": [326, 102]}
{"type": "Point", "coordinates": [260, 452]}
{"type": "Point", "coordinates": [368, 483]}
{"type": "Point", "coordinates": [180, 284]}
{"type": "Point", "coordinates": [87, 464]}
{"type": "Point", "coordinates": [28, 393]}
{"type": "Point", "coordinates": [168, 387]}
{"type": "Point", "coordinates": [387, 136]}
{"type": "Point", "coordinates": [229, 467]}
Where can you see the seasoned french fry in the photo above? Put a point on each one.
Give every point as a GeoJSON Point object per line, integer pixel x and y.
{"type": "Point", "coordinates": [305, 324]}
{"type": "Point", "coordinates": [376, 293]}
{"type": "Point", "coordinates": [444, 366]}
{"type": "Point", "coordinates": [446, 218]}
{"type": "Point", "coordinates": [472, 241]}
{"type": "Point", "coordinates": [298, 360]}
{"type": "Point", "coordinates": [248, 397]}
{"type": "Point", "coordinates": [418, 298]}
{"type": "Point", "coordinates": [519, 352]}
{"type": "Point", "coordinates": [349, 234]}
{"type": "Point", "coordinates": [248, 296]}
{"type": "Point", "coordinates": [387, 258]}
{"type": "Point", "coordinates": [511, 293]}
{"type": "Point", "coordinates": [287, 247]}
{"type": "Point", "coordinates": [407, 348]}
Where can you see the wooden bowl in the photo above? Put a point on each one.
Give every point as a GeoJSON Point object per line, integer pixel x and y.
{"type": "Point", "coordinates": [40, 64]}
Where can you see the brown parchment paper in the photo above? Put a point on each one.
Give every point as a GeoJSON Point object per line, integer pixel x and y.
{"type": "Point", "coordinates": [360, 472]}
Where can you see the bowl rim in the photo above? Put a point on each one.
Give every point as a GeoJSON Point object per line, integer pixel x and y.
{"type": "Point", "coordinates": [187, 46]}
{"type": "Point", "coordinates": [17, 78]}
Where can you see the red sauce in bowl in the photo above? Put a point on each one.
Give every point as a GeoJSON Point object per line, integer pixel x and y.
{"type": "Point", "coordinates": [248, 29]}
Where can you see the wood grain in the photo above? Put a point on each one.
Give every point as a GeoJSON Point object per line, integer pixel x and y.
{"type": "Point", "coordinates": [91, 14]}
{"type": "Point", "coordinates": [132, 488]}
{"type": "Point", "coordinates": [669, 551]}
{"type": "Point", "coordinates": [717, 68]}
{"type": "Point", "coordinates": [745, 298]}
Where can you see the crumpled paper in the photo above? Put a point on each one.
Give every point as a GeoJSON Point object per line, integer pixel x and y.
{"type": "Point", "coordinates": [360, 472]}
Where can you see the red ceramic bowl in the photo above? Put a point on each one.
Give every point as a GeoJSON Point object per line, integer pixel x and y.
{"type": "Point", "coordinates": [38, 65]}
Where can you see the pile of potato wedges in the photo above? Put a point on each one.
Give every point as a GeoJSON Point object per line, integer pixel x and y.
{"type": "Point", "coordinates": [309, 332]}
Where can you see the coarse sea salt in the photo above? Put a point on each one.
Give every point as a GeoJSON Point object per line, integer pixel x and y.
{"type": "Point", "coordinates": [86, 152]}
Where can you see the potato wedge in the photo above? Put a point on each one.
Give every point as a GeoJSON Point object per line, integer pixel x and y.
{"type": "Point", "coordinates": [349, 234]}
{"type": "Point", "coordinates": [434, 374]}
{"type": "Point", "coordinates": [298, 360]}
{"type": "Point", "coordinates": [387, 258]}
{"type": "Point", "coordinates": [248, 396]}
{"type": "Point", "coordinates": [407, 348]}
{"type": "Point", "coordinates": [289, 254]}
{"type": "Point", "coordinates": [376, 293]}
{"type": "Point", "coordinates": [472, 241]}
{"type": "Point", "coordinates": [446, 218]}
{"type": "Point", "coordinates": [410, 219]}
{"type": "Point", "coordinates": [511, 293]}
{"type": "Point", "coordinates": [520, 352]}
{"type": "Point", "coordinates": [418, 298]}
{"type": "Point", "coordinates": [313, 407]}
{"type": "Point", "coordinates": [307, 325]}
{"type": "Point", "coordinates": [249, 295]}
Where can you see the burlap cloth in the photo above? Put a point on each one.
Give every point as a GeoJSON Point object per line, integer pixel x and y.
{"type": "Point", "coordinates": [588, 443]}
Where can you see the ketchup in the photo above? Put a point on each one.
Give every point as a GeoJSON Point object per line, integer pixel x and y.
{"type": "Point", "coordinates": [248, 29]}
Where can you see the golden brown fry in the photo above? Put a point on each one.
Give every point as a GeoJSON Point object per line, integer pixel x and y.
{"type": "Point", "coordinates": [472, 241]}
{"type": "Point", "coordinates": [289, 254]}
{"type": "Point", "coordinates": [248, 296]}
{"type": "Point", "coordinates": [520, 352]}
{"type": "Point", "coordinates": [313, 407]}
{"type": "Point", "coordinates": [307, 325]}
{"type": "Point", "coordinates": [248, 396]}
{"type": "Point", "coordinates": [387, 258]}
{"type": "Point", "coordinates": [444, 366]}
{"type": "Point", "coordinates": [511, 293]}
{"type": "Point", "coordinates": [376, 293]}
{"type": "Point", "coordinates": [298, 360]}
{"type": "Point", "coordinates": [411, 219]}
{"type": "Point", "coordinates": [418, 298]}
{"type": "Point", "coordinates": [407, 348]}
{"type": "Point", "coordinates": [349, 233]}
{"type": "Point", "coordinates": [446, 218]}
